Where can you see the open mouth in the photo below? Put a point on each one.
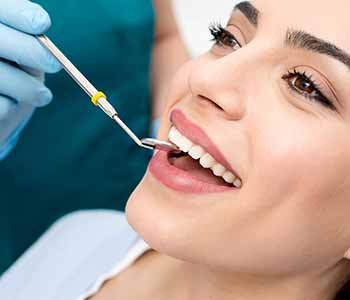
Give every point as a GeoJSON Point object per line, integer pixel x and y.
{"type": "Point", "coordinates": [200, 168]}
{"type": "Point", "coordinates": [199, 163]}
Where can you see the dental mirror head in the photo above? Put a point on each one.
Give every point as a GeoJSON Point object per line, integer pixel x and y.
{"type": "Point", "coordinates": [159, 145]}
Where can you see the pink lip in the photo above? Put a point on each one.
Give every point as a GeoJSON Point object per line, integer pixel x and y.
{"type": "Point", "coordinates": [178, 179]}
{"type": "Point", "coordinates": [198, 136]}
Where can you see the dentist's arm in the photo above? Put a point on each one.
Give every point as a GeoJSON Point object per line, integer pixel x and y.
{"type": "Point", "coordinates": [169, 53]}
{"type": "Point", "coordinates": [23, 62]}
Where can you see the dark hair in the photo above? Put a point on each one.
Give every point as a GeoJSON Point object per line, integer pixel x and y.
{"type": "Point", "coordinates": [344, 293]}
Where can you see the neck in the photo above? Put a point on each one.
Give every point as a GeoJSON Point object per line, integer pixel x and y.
{"type": "Point", "coordinates": [190, 281]}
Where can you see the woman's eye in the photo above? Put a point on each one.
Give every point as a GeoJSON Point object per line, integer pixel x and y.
{"type": "Point", "coordinates": [305, 86]}
{"type": "Point", "coordinates": [223, 38]}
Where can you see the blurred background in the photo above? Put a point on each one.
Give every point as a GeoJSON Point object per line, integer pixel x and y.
{"type": "Point", "coordinates": [194, 17]}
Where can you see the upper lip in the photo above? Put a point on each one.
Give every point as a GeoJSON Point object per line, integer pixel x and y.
{"type": "Point", "coordinates": [199, 137]}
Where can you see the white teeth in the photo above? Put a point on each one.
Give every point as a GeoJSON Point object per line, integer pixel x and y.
{"type": "Point", "coordinates": [218, 170]}
{"type": "Point", "coordinates": [174, 135]}
{"type": "Point", "coordinates": [196, 152]}
{"type": "Point", "coordinates": [237, 183]}
{"type": "Point", "coordinates": [228, 177]}
{"type": "Point", "coordinates": [207, 161]}
{"type": "Point", "coordinates": [185, 144]}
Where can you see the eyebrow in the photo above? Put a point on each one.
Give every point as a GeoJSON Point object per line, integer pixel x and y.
{"type": "Point", "coordinates": [303, 40]}
{"type": "Point", "coordinates": [250, 11]}
{"type": "Point", "coordinates": [298, 38]}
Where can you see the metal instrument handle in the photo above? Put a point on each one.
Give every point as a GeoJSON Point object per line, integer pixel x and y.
{"type": "Point", "coordinates": [78, 77]}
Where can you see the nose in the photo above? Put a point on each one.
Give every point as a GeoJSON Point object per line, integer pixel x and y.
{"type": "Point", "coordinates": [222, 81]}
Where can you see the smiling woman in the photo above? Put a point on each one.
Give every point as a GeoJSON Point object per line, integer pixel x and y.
{"type": "Point", "coordinates": [272, 97]}
{"type": "Point", "coordinates": [256, 207]}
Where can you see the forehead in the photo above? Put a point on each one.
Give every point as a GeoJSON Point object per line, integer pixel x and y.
{"type": "Point", "coordinates": [328, 20]}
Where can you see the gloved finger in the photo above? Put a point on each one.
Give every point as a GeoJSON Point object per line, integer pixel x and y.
{"type": "Point", "coordinates": [7, 107]}
{"type": "Point", "coordinates": [25, 50]}
{"type": "Point", "coordinates": [34, 72]}
{"type": "Point", "coordinates": [24, 15]}
{"type": "Point", "coordinates": [19, 85]}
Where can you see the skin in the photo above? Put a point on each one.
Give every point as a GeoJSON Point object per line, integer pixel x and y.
{"type": "Point", "coordinates": [284, 233]}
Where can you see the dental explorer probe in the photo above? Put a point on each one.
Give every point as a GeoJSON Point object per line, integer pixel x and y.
{"type": "Point", "coordinates": [99, 98]}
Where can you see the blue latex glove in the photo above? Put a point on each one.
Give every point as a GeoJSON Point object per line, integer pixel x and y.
{"type": "Point", "coordinates": [23, 62]}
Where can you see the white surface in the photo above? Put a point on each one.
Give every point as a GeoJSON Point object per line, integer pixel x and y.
{"type": "Point", "coordinates": [135, 251]}
{"type": "Point", "coordinates": [66, 261]}
{"type": "Point", "coordinates": [194, 17]}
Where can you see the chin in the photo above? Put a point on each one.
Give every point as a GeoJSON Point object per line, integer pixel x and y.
{"type": "Point", "coordinates": [165, 219]}
{"type": "Point", "coordinates": [149, 213]}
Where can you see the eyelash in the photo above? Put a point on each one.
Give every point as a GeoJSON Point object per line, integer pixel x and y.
{"type": "Point", "coordinates": [319, 97]}
{"type": "Point", "coordinates": [219, 34]}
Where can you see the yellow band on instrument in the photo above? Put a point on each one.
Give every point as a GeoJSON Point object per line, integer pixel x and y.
{"type": "Point", "coordinates": [97, 96]}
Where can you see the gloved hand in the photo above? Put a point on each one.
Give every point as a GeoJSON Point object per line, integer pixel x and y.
{"type": "Point", "coordinates": [23, 62]}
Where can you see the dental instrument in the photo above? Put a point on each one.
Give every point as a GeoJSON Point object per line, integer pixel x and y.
{"type": "Point", "coordinates": [99, 98]}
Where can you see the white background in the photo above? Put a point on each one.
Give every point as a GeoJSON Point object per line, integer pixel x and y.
{"type": "Point", "coordinates": [194, 17]}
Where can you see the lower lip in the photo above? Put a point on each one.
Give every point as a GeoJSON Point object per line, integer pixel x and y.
{"type": "Point", "coordinates": [180, 180]}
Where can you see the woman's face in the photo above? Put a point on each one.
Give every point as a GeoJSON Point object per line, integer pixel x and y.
{"type": "Point", "coordinates": [270, 102]}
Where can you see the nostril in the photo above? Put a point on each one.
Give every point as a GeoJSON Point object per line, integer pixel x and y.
{"type": "Point", "coordinates": [210, 102]}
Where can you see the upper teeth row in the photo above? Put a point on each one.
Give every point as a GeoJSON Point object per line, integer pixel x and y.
{"type": "Point", "coordinates": [205, 159]}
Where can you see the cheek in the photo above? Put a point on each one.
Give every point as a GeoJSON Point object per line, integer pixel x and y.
{"type": "Point", "coordinates": [295, 199]}
{"type": "Point", "coordinates": [302, 160]}
{"type": "Point", "coordinates": [296, 154]}
{"type": "Point", "coordinates": [302, 171]}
